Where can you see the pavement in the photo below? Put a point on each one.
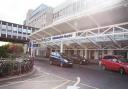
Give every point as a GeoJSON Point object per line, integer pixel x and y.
{"type": "Point", "coordinates": [17, 76]}
{"type": "Point", "coordinates": [42, 81]}
{"type": "Point", "coordinates": [54, 77]}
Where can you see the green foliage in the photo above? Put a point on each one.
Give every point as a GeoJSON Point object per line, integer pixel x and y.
{"type": "Point", "coordinates": [4, 51]}
{"type": "Point", "coordinates": [11, 51]}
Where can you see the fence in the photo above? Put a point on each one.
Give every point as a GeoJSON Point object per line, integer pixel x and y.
{"type": "Point", "coordinates": [15, 67]}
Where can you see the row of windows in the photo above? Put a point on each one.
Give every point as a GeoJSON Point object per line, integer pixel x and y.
{"type": "Point", "coordinates": [81, 5]}
{"type": "Point", "coordinates": [70, 9]}
{"type": "Point", "coordinates": [9, 28]}
{"type": "Point", "coordinates": [9, 31]}
{"type": "Point", "coordinates": [38, 19]}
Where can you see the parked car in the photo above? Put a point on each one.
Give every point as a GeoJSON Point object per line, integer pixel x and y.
{"type": "Point", "coordinates": [115, 63]}
{"type": "Point", "coordinates": [60, 59]}
{"type": "Point", "coordinates": [77, 59]}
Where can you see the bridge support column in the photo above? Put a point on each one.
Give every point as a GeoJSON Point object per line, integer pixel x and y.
{"type": "Point", "coordinates": [0, 28]}
{"type": "Point", "coordinates": [25, 48]}
{"type": "Point", "coordinates": [85, 54]}
{"type": "Point", "coordinates": [31, 48]}
{"type": "Point", "coordinates": [61, 47]}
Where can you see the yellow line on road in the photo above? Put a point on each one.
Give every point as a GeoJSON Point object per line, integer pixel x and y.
{"type": "Point", "coordinates": [62, 84]}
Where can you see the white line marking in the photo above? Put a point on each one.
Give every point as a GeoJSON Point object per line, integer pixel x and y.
{"type": "Point", "coordinates": [40, 81]}
{"type": "Point", "coordinates": [64, 79]}
{"type": "Point", "coordinates": [89, 86]}
{"type": "Point", "coordinates": [62, 84]}
{"type": "Point", "coordinates": [75, 81]}
{"type": "Point", "coordinates": [13, 83]}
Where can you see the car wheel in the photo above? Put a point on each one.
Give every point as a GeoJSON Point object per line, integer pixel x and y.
{"type": "Point", "coordinates": [50, 62]}
{"type": "Point", "coordinates": [87, 62]}
{"type": "Point", "coordinates": [103, 67]}
{"type": "Point", "coordinates": [122, 71]}
{"type": "Point", "coordinates": [61, 64]}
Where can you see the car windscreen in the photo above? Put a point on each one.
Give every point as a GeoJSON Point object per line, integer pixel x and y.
{"type": "Point", "coordinates": [65, 56]}
{"type": "Point", "coordinates": [109, 57]}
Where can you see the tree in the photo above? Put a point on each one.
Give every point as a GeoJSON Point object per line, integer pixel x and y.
{"type": "Point", "coordinates": [4, 51]}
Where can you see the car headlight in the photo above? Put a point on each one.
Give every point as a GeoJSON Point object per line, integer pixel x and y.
{"type": "Point", "coordinates": [84, 60]}
{"type": "Point", "coordinates": [65, 60]}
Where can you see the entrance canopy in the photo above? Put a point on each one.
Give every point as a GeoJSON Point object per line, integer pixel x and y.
{"type": "Point", "coordinates": [94, 27]}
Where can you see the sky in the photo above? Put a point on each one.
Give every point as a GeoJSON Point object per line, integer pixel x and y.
{"type": "Point", "coordinates": [15, 10]}
{"type": "Point", "coordinates": [3, 43]}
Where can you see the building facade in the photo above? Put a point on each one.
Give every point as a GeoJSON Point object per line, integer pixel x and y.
{"type": "Point", "coordinates": [15, 32]}
{"type": "Point", "coordinates": [40, 17]}
{"type": "Point", "coordinates": [86, 27]}
{"type": "Point", "coordinates": [72, 7]}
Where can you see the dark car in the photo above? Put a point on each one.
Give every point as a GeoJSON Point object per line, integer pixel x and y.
{"type": "Point", "coordinates": [115, 63]}
{"type": "Point", "coordinates": [60, 59]}
{"type": "Point", "coordinates": [77, 59]}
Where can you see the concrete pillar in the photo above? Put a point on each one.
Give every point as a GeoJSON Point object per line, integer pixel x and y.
{"type": "Point", "coordinates": [17, 31]}
{"type": "Point", "coordinates": [37, 52]}
{"type": "Point", "coordinates": [61, 47]}
{"type": "Point", "coordinates": [6, 29]}
{"type": "Point", "coordinates": [25, 48]}
{"type": "Point", "coordinates": [96, 54]}
{"type": "Point", "coordinates": [12, 31]}
{"type": "Point", "coordinates": [81, 53]}
{"type": "Point", "coordinates": [85, 55]}
{"type": "Point", "coordinates": [31, 48]}
{"type": "Point", "coordinates": [0, 28]}
{"type": "Point", "coordinates": [26, 33]}
{"type": "Point", "coordinates": [110, 52]}
{"type": "Point", "coordinates": [22, 32]}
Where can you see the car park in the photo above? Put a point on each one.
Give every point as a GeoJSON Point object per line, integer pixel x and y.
{"type": "Point", "coordinates": [60, 59]}
{"type": "Point", "coordinates": [77, 59]}
{"type": "Point", "coordinates": [115, 63]}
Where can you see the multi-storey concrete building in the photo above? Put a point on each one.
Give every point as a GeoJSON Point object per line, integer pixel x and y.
{"type": "Point", "coordinates": [91, 28]}
{"type": "Point", "coordinates": [15, 32]}
{"type": "Point", "coordinates": [40, 17]}
{"type": "Point", "coordinates": [68, 8]}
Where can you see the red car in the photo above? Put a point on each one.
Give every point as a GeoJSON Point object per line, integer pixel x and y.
{"type": "Point", "coordinates": [115, 63]}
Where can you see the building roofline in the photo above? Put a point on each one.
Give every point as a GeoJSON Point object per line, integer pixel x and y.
{"type": "Point", "coordinates": [18, 24]}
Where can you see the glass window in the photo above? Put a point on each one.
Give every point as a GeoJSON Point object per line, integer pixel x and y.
{"type": "Point", "coordinates": [3, 26]}
{"type": "Point", "coordinates": [15, 29]}
{"type": "Point", "coordinates": [29, 31]}
{"type": "Point", "coordinates": [24, 30]}
{"type": "Point", "coordinates": [109, 57]}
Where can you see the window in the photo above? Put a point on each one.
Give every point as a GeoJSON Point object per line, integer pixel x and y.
{"type": "Point", "coordinates": [3, 26]}
{"type": "Point", "coordinates": [109, 57]}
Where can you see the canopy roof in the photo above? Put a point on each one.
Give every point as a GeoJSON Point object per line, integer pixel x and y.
{"type": "Point", "coordinates": [90, 19]}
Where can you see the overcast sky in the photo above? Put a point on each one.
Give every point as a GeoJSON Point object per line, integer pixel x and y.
{"type": "Point", "coordinates": [15, 10]}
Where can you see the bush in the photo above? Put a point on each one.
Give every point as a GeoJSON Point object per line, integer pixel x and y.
{"type": "Point", "coordinates": [3, 52]}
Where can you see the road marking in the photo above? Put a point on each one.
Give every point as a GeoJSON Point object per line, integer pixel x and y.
{"type": "Point", "coordinates": [62, 84]}
{"type": "Point", "coordinates": [71, 80]}
{"type": "Point", "coordinates": [48, 74]}
{"type": "Point", "coordinates": [89, 86]}
{"type": "Point", "coordinates": [36, 81]}
{"type": "Point", "coordinates": [13, 83]}
{"type": "Point", "coordinates": [74, 81]}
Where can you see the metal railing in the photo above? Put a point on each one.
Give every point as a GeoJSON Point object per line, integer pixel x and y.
{"type": "Point", "coordinates": [14, 67]}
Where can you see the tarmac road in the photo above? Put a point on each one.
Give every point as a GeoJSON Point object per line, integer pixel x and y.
{"type": "Point", "coordinates": [54, 77]}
